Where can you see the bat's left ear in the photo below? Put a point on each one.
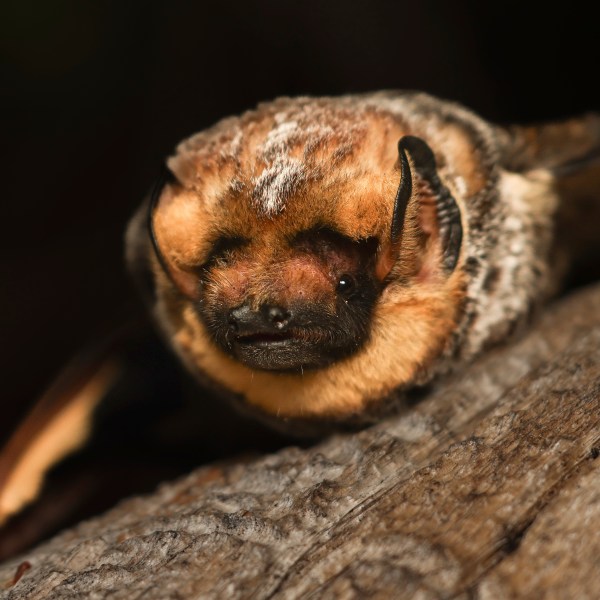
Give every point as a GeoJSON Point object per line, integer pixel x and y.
{"type": "Point", "coordinates": [437, 209]}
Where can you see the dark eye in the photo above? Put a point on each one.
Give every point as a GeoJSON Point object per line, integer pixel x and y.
{"type": "Point", "coordinates": [223, 248]}
{"type": "Point", "coordinates": [346, 284]}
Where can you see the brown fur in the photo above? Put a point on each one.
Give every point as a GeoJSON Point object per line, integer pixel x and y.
{"type": "Point", "coordinates": [348, 181]}
{"type": "Point", "coordinates": [294, 164]}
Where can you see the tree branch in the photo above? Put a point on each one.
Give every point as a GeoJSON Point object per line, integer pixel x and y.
{"type": "Point", "coordinates": [489, 487]}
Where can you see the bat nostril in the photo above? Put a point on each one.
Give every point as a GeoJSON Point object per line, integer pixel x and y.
{"type": "Point", "coordinates": [278, 316]}
{"type": "Point", "coordinates": [232, 322]}
{"type": "Point", "coordinates": [238, 316]}
{"type": "Point", "coordinates": [244, 320]}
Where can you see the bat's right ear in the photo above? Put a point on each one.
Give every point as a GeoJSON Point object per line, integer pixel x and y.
{"type": "Point", "coordinates": [166, 177]}
{"type": "Point", "coordinates": [161, 199]}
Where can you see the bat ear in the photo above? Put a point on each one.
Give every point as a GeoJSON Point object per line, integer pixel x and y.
{"type": "Point", "coordinates": [183, 281]}
{"type": "Point", "coordinates": [563, 147]}
{"type": "Point", "coordinates": [438, 211]}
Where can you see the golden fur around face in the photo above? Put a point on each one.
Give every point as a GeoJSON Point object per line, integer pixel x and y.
{"type": "Point", "coordinates": [270, 216]}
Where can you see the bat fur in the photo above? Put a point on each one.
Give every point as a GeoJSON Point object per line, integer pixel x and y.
{"type": "Point", "coordinates": [265, 214]}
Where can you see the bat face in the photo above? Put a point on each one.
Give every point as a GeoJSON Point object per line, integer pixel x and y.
{"type": "Point", "coordinates": [315, 256]}
{"type": "Point", "coordinates": [285, 292]}
{"type": "Point", "coordinates": [291, 301]}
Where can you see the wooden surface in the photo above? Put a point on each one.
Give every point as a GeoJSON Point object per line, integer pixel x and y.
{"type": "Point", "coordinates": [488, 488]}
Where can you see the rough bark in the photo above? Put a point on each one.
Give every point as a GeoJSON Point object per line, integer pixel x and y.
{"type": "Point", "coordinates": [487, 488]}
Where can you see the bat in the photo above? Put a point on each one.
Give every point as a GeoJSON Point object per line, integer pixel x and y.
{"type": "Point", "coordinates": [315, 259]}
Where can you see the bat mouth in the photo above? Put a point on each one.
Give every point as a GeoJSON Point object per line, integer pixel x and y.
{"type": "Point", "coordinates": [281, 352]}
{"type": "Point", "coordinates": [264, 339]}
{"type": "Point", "coordinates": [300, 338]}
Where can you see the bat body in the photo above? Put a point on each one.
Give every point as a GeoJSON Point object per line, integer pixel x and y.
{"type": "Point", "coordinates": [313, 259]}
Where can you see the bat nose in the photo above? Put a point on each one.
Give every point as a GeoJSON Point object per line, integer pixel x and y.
{"type": "Point", "coordinates": [269, 318]}
{"type": "Point", "coordinates": [277, 316]}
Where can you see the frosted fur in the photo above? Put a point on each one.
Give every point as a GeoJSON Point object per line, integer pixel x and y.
{"type": "Point", "coordinates": [276, 184]}
{"type": "Point", "coordinates": [284, 174]}
{"type": "Point", "coordinates": [282, 159]}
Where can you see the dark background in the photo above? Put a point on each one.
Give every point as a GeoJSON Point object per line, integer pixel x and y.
{"type": "Point", "coordinates": [96, 94]}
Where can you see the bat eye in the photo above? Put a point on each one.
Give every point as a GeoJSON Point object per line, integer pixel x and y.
{"type": "Point", "coordinates": [346, 284]}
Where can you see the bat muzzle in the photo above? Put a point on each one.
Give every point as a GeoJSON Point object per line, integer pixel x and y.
{"type": "Point", "coordinates": [245, 322]}
{"type": "Point", "coordinates": [269, 338]}
{"type": "Point", "coordinates": [291, 337]}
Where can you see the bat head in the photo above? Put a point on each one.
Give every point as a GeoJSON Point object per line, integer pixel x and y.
{"type": "Point", "coordinates": [304, 255]}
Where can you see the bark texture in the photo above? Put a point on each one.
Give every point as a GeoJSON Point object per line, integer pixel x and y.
{"type": "Point", "coordinates": [487, 488]}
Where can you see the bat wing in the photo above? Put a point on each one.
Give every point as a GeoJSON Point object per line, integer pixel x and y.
{"type": "Point", "coordinates": [119, 420]}
{"type": "Point", "coordinates": [58, 425]}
